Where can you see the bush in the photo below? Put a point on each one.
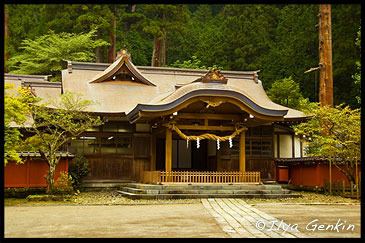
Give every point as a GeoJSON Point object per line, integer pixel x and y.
{"type": "Point", "coordinates": [78, 169]}
{"type": "Point", "coordinates": [63, 185]}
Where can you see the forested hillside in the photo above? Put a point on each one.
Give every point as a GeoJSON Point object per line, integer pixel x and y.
{"type": "Point", "coordinates": [280, 40]}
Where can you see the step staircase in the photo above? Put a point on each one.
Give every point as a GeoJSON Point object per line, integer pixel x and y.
{"type": "Point", "coordinates": [96, 185]}
{"type": "Point", "coordinates": [188, 191]}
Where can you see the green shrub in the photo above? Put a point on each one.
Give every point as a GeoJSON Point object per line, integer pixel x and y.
{"type": "Point", "coordinates": [63, 184]}
{"type": "Point", "coordinates": [78, 169]}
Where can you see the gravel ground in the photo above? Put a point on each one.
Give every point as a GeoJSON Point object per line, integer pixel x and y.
{"type": "Point", "coordinates": [307, 197]}
{"type": "Point", "coordinates": [112, 197]}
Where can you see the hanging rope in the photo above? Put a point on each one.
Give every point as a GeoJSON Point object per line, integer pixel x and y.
{"type": "Point", "coordinates": [238, 129]}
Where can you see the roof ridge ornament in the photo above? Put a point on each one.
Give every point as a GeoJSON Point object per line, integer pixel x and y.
{"type": "Point", "coordinates": [123, 52]}
{"type": "Point", "coordinates": [214, 76]}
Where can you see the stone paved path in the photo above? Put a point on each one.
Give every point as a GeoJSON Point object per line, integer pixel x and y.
{"type": "Point", "coordinates": [240, 220]}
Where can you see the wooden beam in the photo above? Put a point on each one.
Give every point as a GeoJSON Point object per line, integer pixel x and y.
{"type": "Point", "coordinates": [242, 155]}
{"type": "Point", "coordinates": [210, 116]}
{"type": "Point", "coordinates": [218, 128]}
{"type": "Point", "coordinates": [168, 153]}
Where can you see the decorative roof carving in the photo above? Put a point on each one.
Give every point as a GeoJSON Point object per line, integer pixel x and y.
{"type": "Point", "coordinates": [214, 76]}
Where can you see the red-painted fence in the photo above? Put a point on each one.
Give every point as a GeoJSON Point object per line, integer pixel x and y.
{"type": "Point", "coordinates": [31, 172]}
{"type": "Point", "coordinates": [307, 172]}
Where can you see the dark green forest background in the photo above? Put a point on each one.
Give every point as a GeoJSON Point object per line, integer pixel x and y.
{"type": "Point", "coordinates": [280, 40]}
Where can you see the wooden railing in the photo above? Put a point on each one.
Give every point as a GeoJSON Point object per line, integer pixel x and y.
{"type": "Point", "coordinates": [154, 177]}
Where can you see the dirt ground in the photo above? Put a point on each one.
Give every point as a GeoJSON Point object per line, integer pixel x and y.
{"type": "Point", "coordinates": [166, 220]}
{"type": "Point", "coordinates": [142, 221]}
{"type": "Point", "coordinates": [304, 215]}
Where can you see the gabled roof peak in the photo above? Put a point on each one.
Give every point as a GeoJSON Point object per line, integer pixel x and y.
{"type": "Point", "coordinates": [122, 70]}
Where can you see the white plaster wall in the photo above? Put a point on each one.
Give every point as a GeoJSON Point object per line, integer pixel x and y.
{"type": "Point", "coordinates": [296, 147]}
{"type": "Point", "coordinates": [285, 146]}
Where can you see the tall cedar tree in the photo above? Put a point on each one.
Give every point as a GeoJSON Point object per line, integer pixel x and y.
{"type": "Point", "coordinates": [159, 20]}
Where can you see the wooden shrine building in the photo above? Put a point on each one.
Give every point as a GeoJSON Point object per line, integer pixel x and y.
{"type": "Point", "coordinates": [177, 125]}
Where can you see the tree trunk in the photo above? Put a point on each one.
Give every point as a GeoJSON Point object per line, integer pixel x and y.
{"type": "Point", "coordinates": [325, 56]}
{"type": "Point", "coordinates": [163, 49]}
{"type": "Point", "coordinates": [155, 54]}
{"type": "Point", "coordinates": [111, 48]}
{"type": "Point", "coordinates": [99, 51]}
{"type": "Point", "coordinates": [159, 51]}
{"type": "Point", "coordinates": [6, 35]}
{"type": "Point", "coordinates": [52, 162]}
{"type": "Point", "coordinates": [50, 179]}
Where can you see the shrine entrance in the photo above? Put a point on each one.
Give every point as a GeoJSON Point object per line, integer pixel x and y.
{"type": "Point", "coordinates": [190, 125]}
{"type": "Point", "coordinates": [186, 156]}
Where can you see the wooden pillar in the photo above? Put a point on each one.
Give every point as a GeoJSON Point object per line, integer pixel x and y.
{"type": "Point", "coordinates": [153, 152]}
{"type": "Point", "coordinates": [242, 152]}
{"type": "Point", "coordinates": [168, 153]}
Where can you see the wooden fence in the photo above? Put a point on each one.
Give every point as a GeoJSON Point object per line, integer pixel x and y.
{"type": "Point", "coordinates": [154, 177]}
{"type": "Point", "coordinates": [342, 189]}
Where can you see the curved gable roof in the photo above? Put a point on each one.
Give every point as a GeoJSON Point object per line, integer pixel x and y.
{"type": "Point", "coordinates": [200, 89]}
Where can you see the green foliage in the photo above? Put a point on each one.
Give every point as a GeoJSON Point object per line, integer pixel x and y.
{"type": "Point", "coordinates": [16, 107]}
{"type": "Point", "coordinates": [33, 144]}
{"type": "Point", "coordinates": [279, 39]}
{"type": "Point", "coordinates": [294, 48]}
{"type": "Point", "coordinates": [193, 63]}
{"type": "Point", "coordinates": [64, 180]}
{"type": "Point", "coordinates": [138, 44]}
{"type": "Point", "coordinates": [248, 35]}
{"type": "Point", "coordinates": [346, 19]}
{"type": "Point", "coordinates": [357, 76]}
{"type": "Point", "coordinates": [285, 92]}
{"type": "Point", "coordinates": [45, 54]}
{"type": "Point", "coordinates": [333, 132]}
{"type": "Point", "coordinates": [162, 17]}
{"type": "Point", "coordinates": [78, 169]}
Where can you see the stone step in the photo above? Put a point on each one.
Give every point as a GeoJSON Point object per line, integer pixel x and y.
{"type": "Point", "coordinates": [201, 191]}
{"type": "Point", "coordinates": [104, 185]}
{"type": "Point", "coordinates": [190, 196]}
{"type": "Point", "coordinates": [204, 187]}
